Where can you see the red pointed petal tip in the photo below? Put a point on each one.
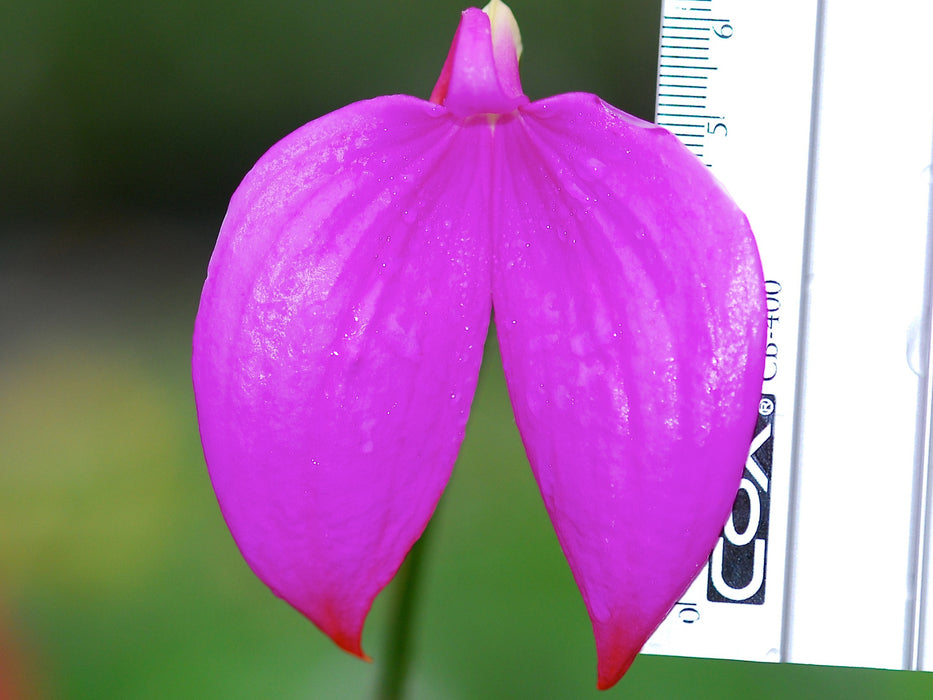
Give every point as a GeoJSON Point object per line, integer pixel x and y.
{"type": "Point", "coordinates": [619, 640]}
{"type": "Point", "coordinates": [480, 75]}
{"type": "Point", "coordinates": [345, 633]}
{"type": "Point", "coordinates": [615, 657]}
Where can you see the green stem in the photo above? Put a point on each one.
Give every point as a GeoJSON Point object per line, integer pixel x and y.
{"type": "Point", "coordinates": [391, 684]}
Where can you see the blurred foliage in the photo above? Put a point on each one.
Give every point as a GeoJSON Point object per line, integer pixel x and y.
{"type": "Point", "coordinates": [165, 105]}
{"type": "Point", "coordinates": [118, 578]}
{"type": "Point", "coordinates": [124, 127]}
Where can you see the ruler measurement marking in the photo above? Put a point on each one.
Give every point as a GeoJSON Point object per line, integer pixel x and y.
{"type": "Point", "coordinates": [702, 117]}
{"type": "Point", "coordinates": [688, 115]}
{"type": "Point", "coordinates": [686, 58]}
{"type": "Point", "coordinates": [681, 18]}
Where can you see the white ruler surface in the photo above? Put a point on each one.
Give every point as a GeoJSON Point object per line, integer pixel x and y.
{"type": "Point", "coordinates": [818, 118]}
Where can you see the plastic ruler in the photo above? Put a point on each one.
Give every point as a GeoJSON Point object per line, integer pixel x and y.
{"type": "Point", "coordinates": [818, 118]}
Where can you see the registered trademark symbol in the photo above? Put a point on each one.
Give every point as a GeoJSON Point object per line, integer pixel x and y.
{"type": "Point", "coordinates": [766, 407]}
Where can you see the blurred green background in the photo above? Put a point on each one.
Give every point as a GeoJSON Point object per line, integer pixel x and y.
{"type": "Point", "coordinates": [124, 127]}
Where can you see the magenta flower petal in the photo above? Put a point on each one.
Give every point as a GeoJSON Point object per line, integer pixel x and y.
{"type": "Point", "coordinates": [337, 349]}
{"type": "Point", "coordinates": [338, 342]}
{"type": "Point", "coordinates": [629, 305]}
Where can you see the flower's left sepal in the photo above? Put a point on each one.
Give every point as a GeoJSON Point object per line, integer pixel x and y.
{"type": "Point", "coordinates": [337, 348]}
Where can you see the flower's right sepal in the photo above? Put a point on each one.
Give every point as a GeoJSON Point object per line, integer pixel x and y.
{"type": "Point", "coordinates": [630, 310]}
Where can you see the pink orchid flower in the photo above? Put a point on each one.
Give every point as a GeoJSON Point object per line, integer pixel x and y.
{"type": "Point", "coordinates": [341, 329]}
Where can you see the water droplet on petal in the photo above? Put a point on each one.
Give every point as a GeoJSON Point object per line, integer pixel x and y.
{"type": "Point", "coordinates": [593, 169]}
